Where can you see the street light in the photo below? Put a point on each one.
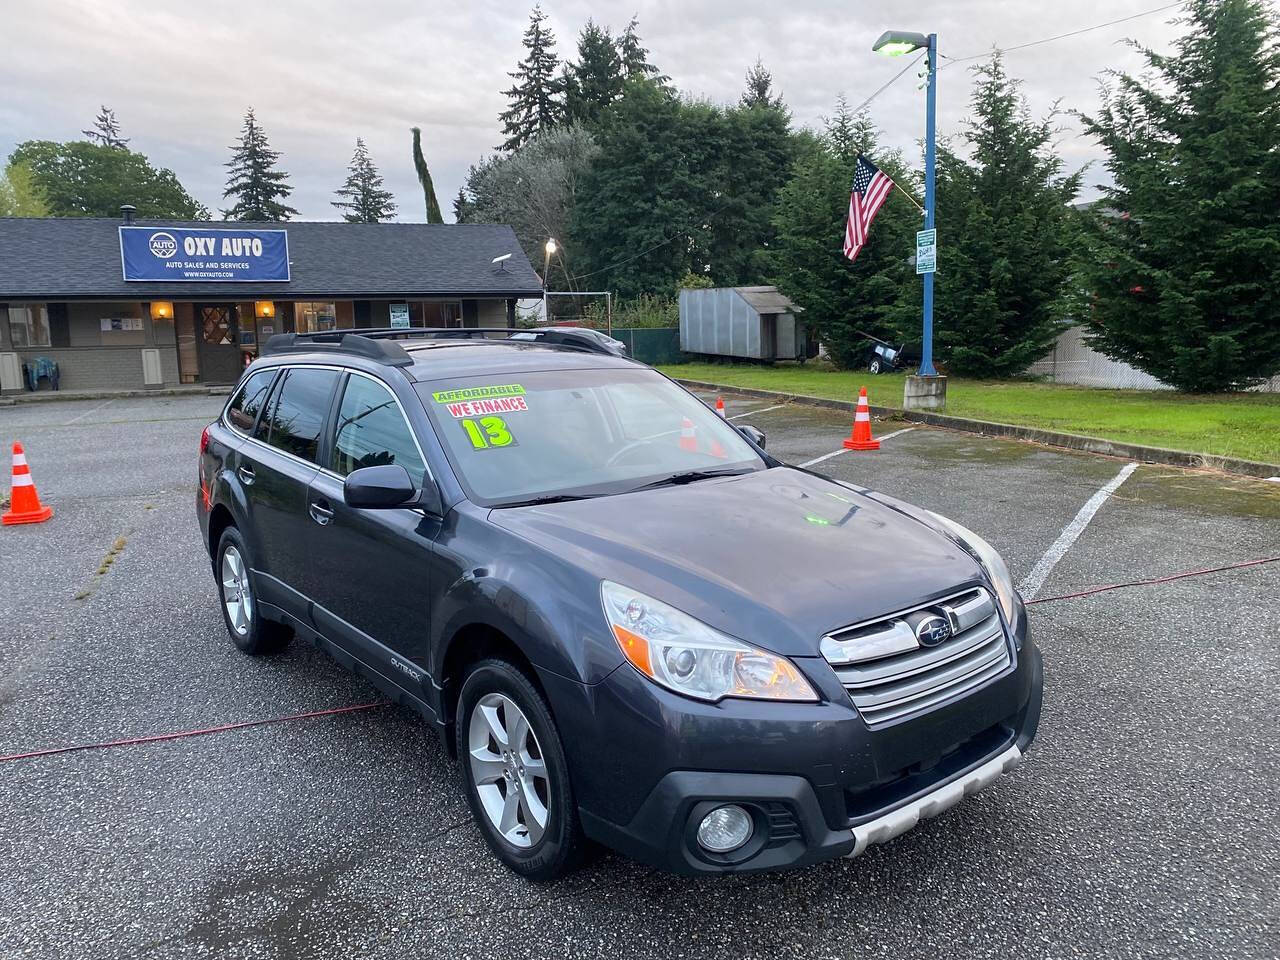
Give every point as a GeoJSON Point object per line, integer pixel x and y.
{"type": "Point", "coordinates": [896, 43]}
{"type": "Point", "coordinates": [550, 248]}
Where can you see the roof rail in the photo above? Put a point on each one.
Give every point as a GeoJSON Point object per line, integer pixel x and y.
{"type": "Point", "coordinates": [572, 338]}
{"type": "Point", "coordinates": [338, 341]}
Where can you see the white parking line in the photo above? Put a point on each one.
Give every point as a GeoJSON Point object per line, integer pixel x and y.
{"type": "Point", "coordinates": [836, 453]}
{"type": "Point", "coordinates": [1070, 533]}
{"type": "Point", "coordinates": [88, 412]}
{"type": "Point", "coordinates": [747, 413]}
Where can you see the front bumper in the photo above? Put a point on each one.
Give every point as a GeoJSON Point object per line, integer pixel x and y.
{"type": "Point", "coordinates": [777, 761]}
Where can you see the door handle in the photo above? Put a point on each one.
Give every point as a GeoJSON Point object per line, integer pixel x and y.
{"type": "Point", "coordinates": [321, 512]}
{"type": "Point", "coordinates": [245, 473]}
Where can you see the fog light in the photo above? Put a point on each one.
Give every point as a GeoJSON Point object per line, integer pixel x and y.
{"type": "Point", "coordinates": [724, 829]}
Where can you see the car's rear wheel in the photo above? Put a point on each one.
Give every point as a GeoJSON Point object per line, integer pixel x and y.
{"type": "Point", "coordinates": [249, 630]}
{"type": "Point", "coordinates": [516, 776]}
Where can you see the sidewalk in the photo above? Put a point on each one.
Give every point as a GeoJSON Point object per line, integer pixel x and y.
{"type": "Point", "coordinates": [1054, 438]}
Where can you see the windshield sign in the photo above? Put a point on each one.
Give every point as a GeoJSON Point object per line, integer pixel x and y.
{"type": "Point", "coordinates": [573, 433]}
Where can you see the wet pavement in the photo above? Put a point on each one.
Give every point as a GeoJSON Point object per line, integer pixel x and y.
{"type": "Point", "coordinates": [1142, 823]}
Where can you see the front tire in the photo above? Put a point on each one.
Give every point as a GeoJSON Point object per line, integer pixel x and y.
{"type": "Point", "coordinates": [249, 630]}
{"type": "Point", "coordinates": [875, 365]}
{"type": "Point", "coordinates": [515, 772]}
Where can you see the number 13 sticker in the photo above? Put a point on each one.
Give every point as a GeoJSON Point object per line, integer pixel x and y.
{"type": "Point", "coordinates": [488, 432]}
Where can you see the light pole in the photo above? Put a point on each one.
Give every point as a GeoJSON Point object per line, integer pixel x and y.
{"type": "Point", "coordinates": [895, 43]}
{"type": "Point", "coordinates": [550, 248]}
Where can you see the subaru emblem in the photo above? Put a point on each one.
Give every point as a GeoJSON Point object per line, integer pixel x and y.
{"type": "Point", "coordinates": [933, 630]}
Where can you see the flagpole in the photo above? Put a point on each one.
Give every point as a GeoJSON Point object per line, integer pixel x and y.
{"type": "Point", "coordinates": [907, 195]}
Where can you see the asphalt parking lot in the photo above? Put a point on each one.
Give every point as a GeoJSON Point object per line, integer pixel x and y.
{"type": "Point", "coordinates": [1142, 823]}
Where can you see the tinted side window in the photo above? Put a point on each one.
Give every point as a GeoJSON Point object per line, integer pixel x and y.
{"type": "Point", "coordinates": [249, 400]}
{"type": "Point", "coordinates": [298, 410]}
{"type": "Point", "coordinates": [372, 431]}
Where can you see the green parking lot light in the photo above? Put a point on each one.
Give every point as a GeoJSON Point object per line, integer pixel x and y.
{"type": "Point", "coordinates": [895, 43]}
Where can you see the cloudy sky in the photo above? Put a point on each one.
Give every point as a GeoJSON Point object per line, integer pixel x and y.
{"type": "Point", "coordinates": [322, 72]}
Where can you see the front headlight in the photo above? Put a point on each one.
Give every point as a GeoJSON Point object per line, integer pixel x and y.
{"type": "Point", "coordinates": [991, 561]}
{"type": "Point", "coordinates": [689, 657]}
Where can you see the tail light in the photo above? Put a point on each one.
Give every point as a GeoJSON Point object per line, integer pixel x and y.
{"type": "Point", "coordinates": [204, 440]}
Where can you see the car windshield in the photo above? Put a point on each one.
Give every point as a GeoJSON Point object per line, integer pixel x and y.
{"type": "Point", "coordinates": [571, 433]}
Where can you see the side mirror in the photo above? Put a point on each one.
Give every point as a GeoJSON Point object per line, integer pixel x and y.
{"type": "Point", "coordinates": [751, 433]}
{"type": "Point", "coordinates": [374, 488]}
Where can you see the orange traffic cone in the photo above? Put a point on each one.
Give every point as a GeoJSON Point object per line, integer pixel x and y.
{"type": "Point", "coordinates": [24, 505]}
{"type": "Point", "coordinates": [860, 438]}
{"type": "Point", "coordinates": [688, 438]}
{"type": "Point", "coordinates": [720, 408]}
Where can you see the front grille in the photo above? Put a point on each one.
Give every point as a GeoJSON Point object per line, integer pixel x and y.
{"type": "Point", "coordinates": [890, 675]}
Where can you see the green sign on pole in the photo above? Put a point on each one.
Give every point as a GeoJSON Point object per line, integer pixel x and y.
{"type": "Point", "coordinates": [927, 251]}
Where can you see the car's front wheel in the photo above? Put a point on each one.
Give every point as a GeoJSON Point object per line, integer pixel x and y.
{"type": "Point", "coordinates": [249, 630]}
{"type": "Point", "coordinates": [516, 776]}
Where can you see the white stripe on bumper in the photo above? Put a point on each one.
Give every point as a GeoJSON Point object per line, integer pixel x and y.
{"type": "Point", "coordinates": [895, 822]}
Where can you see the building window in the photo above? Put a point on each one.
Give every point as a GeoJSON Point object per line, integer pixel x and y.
{"type": "Point", "coordinates": [314, 317]}
{"type": "Point", "coordinates": [29, 325]}
{"type": "Point", "coordinates": [435, 313]}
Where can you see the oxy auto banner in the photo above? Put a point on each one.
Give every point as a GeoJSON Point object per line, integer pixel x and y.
{"type": "Point", "coordinates": [187, 254]}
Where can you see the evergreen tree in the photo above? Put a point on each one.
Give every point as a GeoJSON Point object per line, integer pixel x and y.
{"type": "Point", "coordinates": [759, 91]}
{"type": "Point", "coordinates": [635, 58]}
{"type": "Point", "coordinates": [846, 132]}
{"type": "Point", "coordinates": [755, 138]}
{"type": "Point", "coordinates": [1004, 257]}
{"type": "Point", "coordinates": [257, 187]}
{"type": "Point", "coordinates": [362, 198]}
{"type": "Point", "coordinates": [1180, 272]}
{"type": "Point", "coordinates": [462, 207]}
{"type": "Point", "coordinates": [842, 300]}
{"type": "Point", "coordinates": [424, 178]}
{"type": "Point", "coordinates": [636, 214]}
{"type": "Point", "coordinates": [537, 97]}
{"type": "Point", "coordinates": [105, 131]}
{"type": "Point", "coordinates": [595, 81]}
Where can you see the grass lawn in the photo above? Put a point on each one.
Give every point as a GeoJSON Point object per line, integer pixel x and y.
{"type": "Point", "coordinates": [1230, 425]}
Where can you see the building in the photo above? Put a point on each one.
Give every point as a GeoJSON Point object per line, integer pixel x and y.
{"type": "Point", "coordinates": [119, 304]}
{"type": "Point", "coordinates": [758, 323]}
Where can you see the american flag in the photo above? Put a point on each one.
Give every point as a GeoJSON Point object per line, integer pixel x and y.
{"type": "Point", "coordinates": [870, 190]}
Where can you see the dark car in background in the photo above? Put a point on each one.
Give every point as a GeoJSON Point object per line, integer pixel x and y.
{"type": "Point", "coordinates": [628, 622]}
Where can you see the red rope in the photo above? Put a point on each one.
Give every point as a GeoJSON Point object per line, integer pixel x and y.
{"type": "Point", "coordinates": [157, 738]}
{"type": "Point", "coordinates": [1153, 580]}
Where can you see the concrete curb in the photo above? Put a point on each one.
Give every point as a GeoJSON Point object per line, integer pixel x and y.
{"type": "Point", "coordinates": [1069, 441]}
{"type": "Point", "coordinates": [59, 396]}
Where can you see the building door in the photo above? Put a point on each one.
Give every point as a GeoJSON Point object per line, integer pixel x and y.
{"type": "Point", "coordinates": [218, 342]}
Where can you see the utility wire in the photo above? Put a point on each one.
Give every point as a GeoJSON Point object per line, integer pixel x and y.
{"type": "Point", "coordinates": [1063, 36]}
{"type": "Point", "coordinates": [892, 80]}
{"type": "Point", "coordinates": [662, 243]}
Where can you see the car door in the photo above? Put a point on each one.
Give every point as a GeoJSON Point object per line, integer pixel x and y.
{"type": "Point", "coordinates": [368, 570]}
{"type": "Point", "coordinates": [276, 470]}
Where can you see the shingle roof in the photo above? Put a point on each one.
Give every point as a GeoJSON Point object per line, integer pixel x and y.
{"type": "Point", "coordinates": [79, 257]}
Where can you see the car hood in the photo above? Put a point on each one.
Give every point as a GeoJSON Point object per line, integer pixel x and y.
{"type": "Point", "coordinates": [776, 558]}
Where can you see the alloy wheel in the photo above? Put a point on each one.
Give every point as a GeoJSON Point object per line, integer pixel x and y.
{"type": "Point", "coordinates": [508, 769]}
{"type": "Point", "coordinates": [236, 595]}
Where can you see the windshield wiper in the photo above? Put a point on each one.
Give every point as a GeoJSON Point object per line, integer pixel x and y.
{"type": "Point", "coordinates": [689, 476]}
{"type": "Point", "coordinates": [551, 498]}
